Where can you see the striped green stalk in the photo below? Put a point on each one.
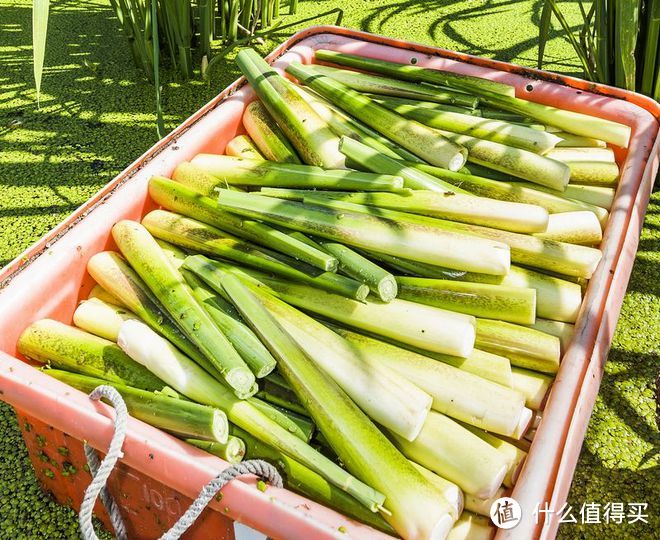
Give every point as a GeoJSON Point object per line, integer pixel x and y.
{"type": "Point", "coordinates": [419, 325]}
{"type": "Point", "coordinates": [506, 133]}
{"type": "Point", "coordinates": [201, 238]}
{"type": "Point", "coordinates": [419, 139]}
{"type": "Point", "coordinates": [232, 451]}
{"type": "Point", "coordinates": [111, 271]}
{"type": "Point", "coordinates": [177, 416]}
{"type": "Point", "coordinates": [67, 348]}
{"type": "Point", "coordinates": [533, 385]}
{"type": "Point", "coordinates": [413, 507]}
{"type": "Point", "coordinates": [572, 122]}
{"type": "Point", "coordinates": [268, 137]}
{"type": "Point", "coordinates": [564, 331]}
{"type": "Point", "coordinates": [184, 200]}
{"type": "Point", "coordinates": [574, 228]}
{"type": "Point", "coordinates": [463, 83]}
{"type": "Point", "coordinates": [167, 284]}
{"type": "Point", "coordinates": [410, 240]}
{"type": "Point", "coordinates": [521, 192]}
{"type": "Point", "coordinates": [456, 393]}
{"type": "Point", "coordinates": [305, 481]}
{"type": "Point", "coordinates": [512, 304]}
{"type": "Point", "coordinates": [186, 377]}
{"type": "Point", "coordinates": [559, 257]}
{"type": "Point", "coordinates": [100, 318]}
{"type": "Point", "coordinates": [391, 101]}
{"type": "Point", "coordinates": [313, 140]}
{"type": "Point", "coordinates": [253, 352]}
{"type": "Point", "coordinates": [246, 172]}
{"type": "Point", "coordinates": [452, 452]}
{"type": "Point", "coordinates": [525, 347]}
{"type": "Point", "coordinates": [373, 84]}
{"type": "Point", "coordinates": [243, 146]}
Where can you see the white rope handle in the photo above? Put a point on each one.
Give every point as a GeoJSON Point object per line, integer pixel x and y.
{"type": "Point", "coordinates": [100, 474]}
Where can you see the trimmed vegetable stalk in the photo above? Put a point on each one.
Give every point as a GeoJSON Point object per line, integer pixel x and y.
{"type": "Point", "coordinates": [184, 200]}
{"type": "Point", "coordinates": [231, 451]}
{"type": "Point", "coordinates": [267, 136]}
{"type": "Point", "coordinates": [100, 318]}
{"type": "Point", "coordinates": [569, 140]}
{"type": "Point", "coordinates": [159, 356]}
{"type": "Point", "coordinates": [450, 491]}
{"type": "Point", "coordinates": [533, 385]}
{"type": "Point", "coordinates": [419, 139]}
{"type": "Point", "coordinates": [243, 146]}
{"type": "Point", "coordinates": [594, 173]}
{"type": "Point", "coordinates": [464, 83]}
{"type": "Point", "coordinates": [177, 416]}
{"type": "Point", "coordinates": [283, 402]}
{"type": "Point", "coordinates": [374, 233]}
{"type": "Point", "coordinates": [525, 347]}
{"type": "Point", "coordinates": [455, 393]}
{"type": "Point", "coordinates": [498, 131]}
{"type": "Point", "coordinates": [396, 100]}
{"type": "Point", "coordinates": [302, 424]}
{"type": "Point", "coordinates": [600, 155]}
{"type": "Point", "coordinates": [513, 455]}
{"type": "Point", "coordinates": [421, 326]}
{"type": "Point", "coordinates": [471, 527]}
{"type": "Point", "coordinates": [599, 196]}
{"type": "Point", "coordinates": [559, 257]}
{"type": "Point", "coordinates": [254, 353]}
{"type": "Point", "coordinates": [313, 140]}
{"type": "Point", "coordinates": [364, 82]}
{"type": "Point", "coordinates": [414, 508]}
{"type": "Point", "coordinates": [112, 272]}
{"type": "Point", "coordinates": [167, 284]}
{"type": "Point", "coordinates": [521, 192]}
{"type": "Point", "coordinates": [564, 331]}
{"type": "Point", "coordinates": [397, 404]}
{"type": "Point", "coordinates": [202, 238]}
{"type": "Point", "coordinates": [452, 452]}
{"type": "Point", "coordinates": [250, 172]}
{"type": "Point", "coordinates": [103, 295]}
{"type": "Point", "coordinates": [482, 506]}
{"type": "Point", "coordinates": [303, 480]}
{"type": "Point", "coordinates": [64, 347]}
{"type": "Point", "coordinates": [509, 216]}
{"type": "Point", "coordinates": [574, 228]}
{"type": "Point", "coordinates": [512, 304]}
{"type": "Point", "coordinates": [572, 122]}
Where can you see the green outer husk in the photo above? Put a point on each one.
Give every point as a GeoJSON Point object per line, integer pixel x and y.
{"type": "Point", "coordinates": [525, 347]}
{"type": "Point", "coordinates": [453, 452]}
{"type": "Point", "coordinates": [282, 401]}
{"type": "Point", "coordinates": [456, 393]}
{"type": "Point", "coordinates": [373, 160]}
{"type": "Point", "coordinates": [243, 146]}
{"type": "Point", "coordinates": [178, 416]}
{"type": "Point", "coordinates": [184, 200]}
{"type": "Point", "coordinates": [559, 257]}
{"type": "Point", "coordinates": [419, 139]}
{"type": "Point", "coordinates": [533, 385]}
{"type": "Point", "coordinates": [572, 122]}
{"type": "Point", "coordinates": [254, 353]}
{"type": "Point", "coordinates": [580, 227]}
{"type": "Point", "coordinates": [498, 131]}
{"type": "Point", "coordinates": [112, 272]}
{"type": "Point", "coordinates": [249, 172]}
{"type": "Point", "coordinates": [374, 233]}
{"type": "Point", "coordinates": [302, 424]}
{"type": "Point", "coordinates": [471, 209]}
{"type": "Point", "coordinates": [374, 84]}
{"type": "Point", "coordinates": [167, 284]}
{"type": "Point", "coordinates": [100, 318]}
{"type": "Point", "coordinates": [315, 143]}
{"type": "Point", "coordinates": [67, 348]}
{"type": "Point", "coordinates": [393, 100]}
{"type": "Point", "coordinates": [232, 451]}
{"type": "Point", "coordinates": [523, 192]}
{"type": "Point", "coordinates": [199, 237]}
{"type": "Point", "coordinates": [305, 481]}
{"type": "Point", "coordinates": [362, 448]}
{"type": "Point", "coordinates": [268, 137]}
{"type": "Point", "coordinates": [512, 304]}
{"type": "Point", "coordinates": [193, 382]}
{"type": "Point", "coordinates": [465, 83]}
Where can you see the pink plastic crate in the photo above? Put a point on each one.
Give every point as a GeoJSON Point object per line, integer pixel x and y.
{"type": "Point", "coordinates": [158, 474]}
